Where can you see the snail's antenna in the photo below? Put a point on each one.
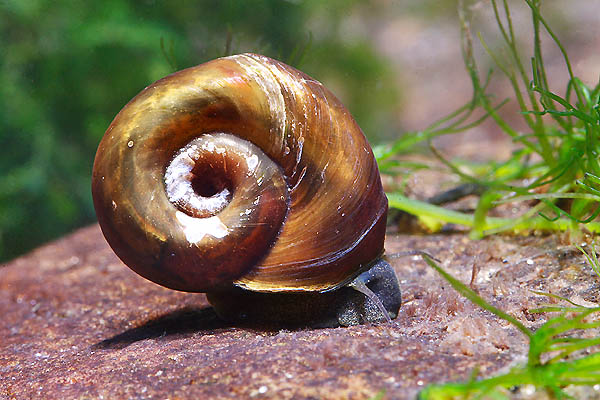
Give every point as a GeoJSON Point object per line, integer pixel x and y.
{"type": "Point", "coordinates": [360, 286]}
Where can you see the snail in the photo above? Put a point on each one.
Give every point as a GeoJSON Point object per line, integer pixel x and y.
{"type": "Point", "coordinates": [246, 179]}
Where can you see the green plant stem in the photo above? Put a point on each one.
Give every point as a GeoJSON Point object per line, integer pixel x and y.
{"type": "Point", "coordinates": [536, 12]}
{"type": "Point", "coordinates": [421, 208]}
{"type": "Point", "coordinates": [509, 38]}
{"type": "Point", "coordinates": [582, 372]}
{"type": "Point", "coordinates": [475, 298]}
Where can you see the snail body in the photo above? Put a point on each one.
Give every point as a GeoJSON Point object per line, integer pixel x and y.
{"type": "Point", "coordinates": [241, 175]}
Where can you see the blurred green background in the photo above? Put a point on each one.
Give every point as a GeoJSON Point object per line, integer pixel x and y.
{"type": "Point", "coordinates": [68, 66]}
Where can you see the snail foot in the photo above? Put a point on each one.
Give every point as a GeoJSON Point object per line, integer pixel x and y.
{"type": "Point", "coordinates": [372, 297]}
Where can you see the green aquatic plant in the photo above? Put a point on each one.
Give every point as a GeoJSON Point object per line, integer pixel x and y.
{"type": "Point", "coordinates": [554, 169]}
{"type": "Point", "coordinates": [556, 165]}
{"type": "Point", "coordinates": [559, 355]}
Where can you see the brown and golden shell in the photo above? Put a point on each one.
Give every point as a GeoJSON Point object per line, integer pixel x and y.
{"type": "Point", "coordinates": [242, 171]}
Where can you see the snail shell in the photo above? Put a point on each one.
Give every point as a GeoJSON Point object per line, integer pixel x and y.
{"type": "Point", "coordinates": [241, 171]}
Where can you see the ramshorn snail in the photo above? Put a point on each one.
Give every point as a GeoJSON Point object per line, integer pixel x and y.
{"type": "Point", "coordinates": [248, 180]}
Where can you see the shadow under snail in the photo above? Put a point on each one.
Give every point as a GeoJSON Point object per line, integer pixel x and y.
{"type": "Point", "coordinates": [248, 180]}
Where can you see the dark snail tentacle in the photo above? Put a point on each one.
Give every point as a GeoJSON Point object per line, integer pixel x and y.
{"type": "Point", "coordinates": [239, 171]}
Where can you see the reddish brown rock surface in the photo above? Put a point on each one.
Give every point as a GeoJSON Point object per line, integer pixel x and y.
{"type": "Point", "coordinates": [76, 323]}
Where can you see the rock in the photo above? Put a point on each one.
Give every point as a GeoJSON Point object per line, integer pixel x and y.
{"type": "Point", "coordinates": [76, 323]}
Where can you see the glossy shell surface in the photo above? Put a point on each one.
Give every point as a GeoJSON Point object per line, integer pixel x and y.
{"type": "Point", "coordinates": [306, 213]}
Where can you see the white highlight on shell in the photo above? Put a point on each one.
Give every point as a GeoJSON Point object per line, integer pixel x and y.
{"type": "Point", "coordinates": [177, 186]}
{"type": "Point", "coordinates": [195, 229]}
{"type": "Point", "coordinates": [210, 147]}
{"type": "Point", "coordinates": [252, 163]}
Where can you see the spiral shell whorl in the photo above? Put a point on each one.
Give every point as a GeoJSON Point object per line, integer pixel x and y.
{"type": "Point", "coordinates": [322, 211]}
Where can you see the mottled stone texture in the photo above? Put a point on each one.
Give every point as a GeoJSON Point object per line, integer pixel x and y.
{"type": "Point", "coordinates": [76, 323]}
